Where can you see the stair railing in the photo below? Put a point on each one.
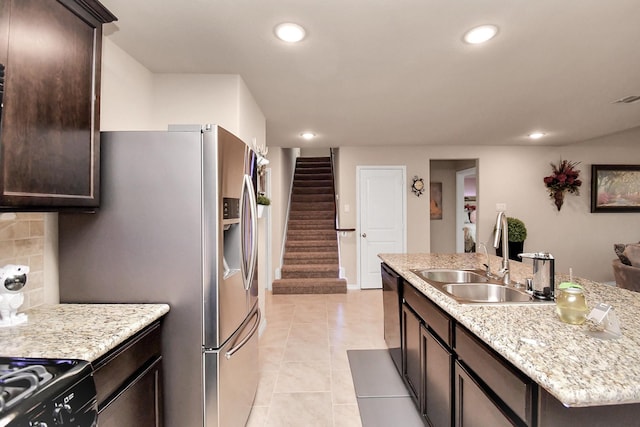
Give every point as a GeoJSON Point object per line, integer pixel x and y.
{"type": "Point", "coordinates": [335, 205]}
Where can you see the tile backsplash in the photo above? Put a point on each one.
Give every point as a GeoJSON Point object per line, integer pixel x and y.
{"type": "Point", "coordinates": [22, 242]}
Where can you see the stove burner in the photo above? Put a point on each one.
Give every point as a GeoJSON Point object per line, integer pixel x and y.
{"type": "Point", "coordinates": [18, 384]}
{"type": "Point", "coordinates": [47, 392]}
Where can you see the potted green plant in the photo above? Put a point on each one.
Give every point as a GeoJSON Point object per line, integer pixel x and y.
{"type": "Point", "coordinates": [517, 235]}
{"type": "Point", "coordinates": [262, 201]}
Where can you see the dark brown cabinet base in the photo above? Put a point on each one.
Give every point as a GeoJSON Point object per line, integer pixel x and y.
{"type": "Point", "coordinates": [139, 404]}
{"type": "Point", "coordinates": [474, 407]}
{"type": "Point", "coordinates": [438, 368]}
{"type": "Point", "coordinates": [129, 382]}
{"type": "Point", "coordinates": [427, 360]}
{"type": "Point", "coordinates": [412, 356]}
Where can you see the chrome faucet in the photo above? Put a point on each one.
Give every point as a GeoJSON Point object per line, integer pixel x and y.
{"type": "Point", "coordinates": [502, 228]}
{"type": "Point", "coordinates": [487, 266]}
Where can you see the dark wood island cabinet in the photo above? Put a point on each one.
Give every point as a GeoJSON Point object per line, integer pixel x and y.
{"type": "Point", "coordinates": [457, 379]}
{"type": "Point", "coordinates": [129, 382]}
{"type": "Point", "coordinates": [50, 60]}
{"type": "Point", "coordinates": [428, 357]}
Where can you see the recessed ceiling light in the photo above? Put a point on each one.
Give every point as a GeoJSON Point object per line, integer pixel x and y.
{"type": "Point", "coordinates": [536, 135]}
{"type": "Point", "coordinates": [308, 135]}
{"type": "Point", "coordinates": [290, 32]}
{"type": "Point", "coordinates": [480, 34]}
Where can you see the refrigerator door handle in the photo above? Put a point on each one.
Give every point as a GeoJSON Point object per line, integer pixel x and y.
{"type": "Point", "coordinates": [241, 344]}
{"type": "Point", "coordinates": [248, 266]}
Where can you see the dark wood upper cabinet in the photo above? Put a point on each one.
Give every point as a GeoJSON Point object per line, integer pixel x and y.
{"type": "Point", "coordinates": [50, 51]}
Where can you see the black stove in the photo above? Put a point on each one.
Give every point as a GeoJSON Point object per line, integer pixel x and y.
{"type": "Point", "coordinates": [46, 393]}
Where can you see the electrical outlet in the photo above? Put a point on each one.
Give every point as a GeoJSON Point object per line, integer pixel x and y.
{"type": "Point", "coordinates": [501, 207]}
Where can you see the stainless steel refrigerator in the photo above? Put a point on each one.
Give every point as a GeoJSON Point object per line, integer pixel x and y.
{"type": "Point", "coordinates": [178, 224]}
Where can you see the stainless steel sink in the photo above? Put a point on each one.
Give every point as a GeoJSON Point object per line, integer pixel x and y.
{"type": "Point", "coordinates": [451, 276]}
{"type": "Point", "coordinates": [486, 293]}
{"type": "Point", "coordinates": [474, 287]}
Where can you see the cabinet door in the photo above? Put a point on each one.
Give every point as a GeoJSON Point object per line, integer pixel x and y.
{"type": "Point", "coordinates": [50, 117]}
{"type": "Point", "coordinates": [438, 368]}
{"type": "Point", "coordinates": [473, 405]}
{"type": "Point", "coordinates": [140, 404]}
{"type": "Point", "coordinates": [411, 353]}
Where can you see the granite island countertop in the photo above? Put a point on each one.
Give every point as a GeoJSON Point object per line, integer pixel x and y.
{"type": "Point", "coordinates": [77, 331]}
{"type": "Point", "coordinates": [575, 368]}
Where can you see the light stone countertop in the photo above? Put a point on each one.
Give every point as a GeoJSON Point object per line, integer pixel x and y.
{"type": "Point", "coordinates": [577, 369]}
{"type": "Point", "coordinates": [77, 331]}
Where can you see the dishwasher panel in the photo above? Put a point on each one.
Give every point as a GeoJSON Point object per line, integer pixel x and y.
{"type": "Point", "coordinates": [392, 297]}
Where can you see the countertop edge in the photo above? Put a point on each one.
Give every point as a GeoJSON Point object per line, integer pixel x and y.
{"type": "Point", "coordinates": [77, 331]}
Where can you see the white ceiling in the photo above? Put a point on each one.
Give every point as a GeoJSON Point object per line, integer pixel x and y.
{"type": "Point", "coordinates": [384, 72]}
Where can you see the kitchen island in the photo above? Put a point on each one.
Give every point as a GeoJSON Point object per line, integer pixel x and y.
{"type": "Point", "coordinates": [123, 342]}
{"type": "Point", "coordinates": [567, 368]}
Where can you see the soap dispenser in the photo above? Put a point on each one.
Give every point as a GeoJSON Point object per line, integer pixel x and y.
{"type": "Point", "coordinates": [543, 284]}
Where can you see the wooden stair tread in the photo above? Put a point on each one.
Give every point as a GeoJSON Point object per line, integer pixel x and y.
{"type": "Point", "coordinates": [309, 286]}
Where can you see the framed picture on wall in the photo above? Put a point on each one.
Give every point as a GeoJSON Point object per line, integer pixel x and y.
{"type": "Point", "coordinates": [435, 200]}
{"type": "Point", "coordinates": [615, 188]}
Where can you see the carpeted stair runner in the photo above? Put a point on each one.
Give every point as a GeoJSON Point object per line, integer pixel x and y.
{"type": "Point", "coordinates": [310, 264]}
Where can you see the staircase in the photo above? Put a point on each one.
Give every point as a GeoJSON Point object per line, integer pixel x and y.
{"type": "Point", "coordinates": [311, 264]}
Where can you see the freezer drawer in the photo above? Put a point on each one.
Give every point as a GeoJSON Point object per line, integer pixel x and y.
{"type": "Point", "coordinates": [231, 377]}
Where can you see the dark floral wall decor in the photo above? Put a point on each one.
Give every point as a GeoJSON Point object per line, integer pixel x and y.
{"type": "Point", "coordinates": [565, 177]}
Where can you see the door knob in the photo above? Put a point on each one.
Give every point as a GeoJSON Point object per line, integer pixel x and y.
{"type": "Point", "coordinates": [364, 235]}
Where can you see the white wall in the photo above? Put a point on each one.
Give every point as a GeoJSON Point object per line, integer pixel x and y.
{"type": "Point", "coordinates": [127, 91]}
{"type": "Point", "coordinates": [511, 175]}
{"type": "Point", "coordinates": [315, 152]}
{"type": "Point", "coordinates": [196, 99]}
{"type": "Point", "coordinates": [417, 163]}
{"type": "Point", "coordinates": [252, 126]}
{"type": "Point", "coordinates": [282, 164]}
{"type": "Point", "coordinates": [133, 98]}
{"type": "Point", "coordinates": [221, 99]}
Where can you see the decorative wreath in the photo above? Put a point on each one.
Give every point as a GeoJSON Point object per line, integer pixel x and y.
{"type": "Point", "coordinates": [418, 186]}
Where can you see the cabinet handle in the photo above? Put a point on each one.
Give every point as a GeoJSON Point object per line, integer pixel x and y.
{"type": "Point", "coordinates": [364, 235]}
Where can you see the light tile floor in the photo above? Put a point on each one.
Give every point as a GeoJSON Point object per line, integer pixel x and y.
{"type": "Point", "coordinates": [305, 378]}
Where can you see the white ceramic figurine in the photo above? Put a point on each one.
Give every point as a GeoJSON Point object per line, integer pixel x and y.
{"type": "Point", "coordinates": [12, 279]}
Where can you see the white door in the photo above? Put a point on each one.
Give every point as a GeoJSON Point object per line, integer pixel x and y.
{"type": "Point", "coordinates": [381, 219]}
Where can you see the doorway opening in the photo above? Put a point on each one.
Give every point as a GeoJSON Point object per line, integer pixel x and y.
{"type": "Point", "coordinates": [455, 231]}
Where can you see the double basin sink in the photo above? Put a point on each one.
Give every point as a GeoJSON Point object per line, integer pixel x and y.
{"type": "Point", "coordinates": [474, 287]}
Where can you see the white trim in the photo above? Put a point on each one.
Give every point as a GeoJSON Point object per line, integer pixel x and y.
{"type": "Point", "coordinates": [268, 231]}
{"type": "Point", "coordinates": [403, 191]}
{"type": "Point", "coordinates": [278, 272]}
